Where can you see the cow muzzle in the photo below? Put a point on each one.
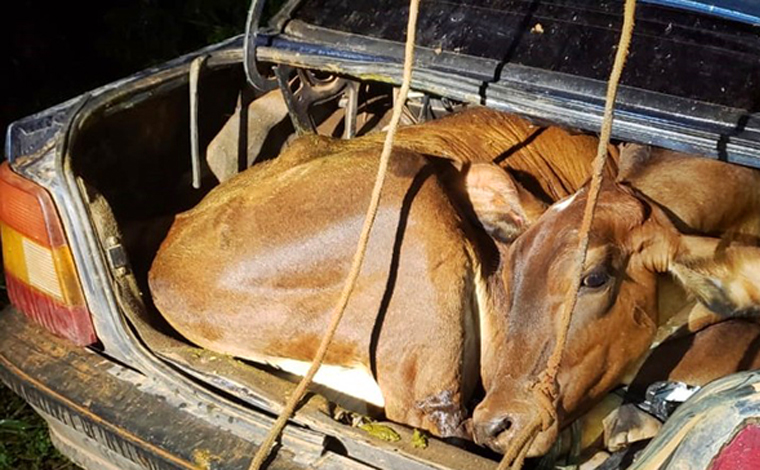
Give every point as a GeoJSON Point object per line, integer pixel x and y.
{"type": "Point", "coordinates": [498, 428]}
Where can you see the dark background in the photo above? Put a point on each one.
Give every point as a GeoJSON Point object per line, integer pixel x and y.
{"type": "Point", "coordinates": [53, 51]}
{"type": "Point", "coordinates": [57, 50]}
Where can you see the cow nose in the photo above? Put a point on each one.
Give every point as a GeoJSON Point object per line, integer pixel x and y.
{"type": "Point", "coordinates": [496, 425]}
{"type": "Point", "coordinates": [487, 431]}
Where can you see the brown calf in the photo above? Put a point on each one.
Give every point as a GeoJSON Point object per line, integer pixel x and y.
{"type": "Point", "coordinates": [662, 217]}
{"type": "Point", "coordinates": [254, 269]}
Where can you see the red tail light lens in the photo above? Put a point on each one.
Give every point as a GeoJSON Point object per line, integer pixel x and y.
{"type": "Point", "coordinates": [40, 274]}
{"type": "Point", "coordinates": [742, 453]}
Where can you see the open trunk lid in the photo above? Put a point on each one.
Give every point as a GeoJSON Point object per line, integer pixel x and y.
{"type": "Point", "coordinates": [691, 83]}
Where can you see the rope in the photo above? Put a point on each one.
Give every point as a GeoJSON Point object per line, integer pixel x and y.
{"type": "Point", "coordinates": [337, 314]}
{"type": "Point", "coordinates": [545, 391]}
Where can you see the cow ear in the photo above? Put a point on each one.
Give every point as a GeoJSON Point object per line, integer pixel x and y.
{"type": "Point", "coordinates": [654, 243]}
{"type": "Point", "coordinates": [501, 205]}
{"type": "Point", "coordinates": [724, 278]}
{"type": "Point", "coordinates": [632, 158]}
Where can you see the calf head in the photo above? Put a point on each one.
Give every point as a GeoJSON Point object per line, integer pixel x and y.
{"type": "Point", "coordinates": [615, 318]}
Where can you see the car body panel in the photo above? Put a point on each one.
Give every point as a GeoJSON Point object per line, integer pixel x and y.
{"type": "Point", "coordinates": [747, 11]}
{"type": "Point", "coordinates": [699, 429]}
{"type": "Point", "coordinates": [574, 38]}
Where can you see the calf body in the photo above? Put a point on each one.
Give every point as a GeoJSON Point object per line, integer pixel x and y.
{"type": "Point", "coordinates": [255, 275]}
{"type": "Point", "coordinates": [255, 269]}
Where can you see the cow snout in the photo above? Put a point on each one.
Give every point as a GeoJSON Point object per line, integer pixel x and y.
{"type": "Point", "coordinates": [498, 429]}
{"type": "Point", "coordinates": [488, 431]}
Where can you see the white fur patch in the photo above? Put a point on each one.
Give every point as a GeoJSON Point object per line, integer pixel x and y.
{"type": "Point", "coordinates": [355, 381]}
{"type": "Point", "coordinates": [564, 203]}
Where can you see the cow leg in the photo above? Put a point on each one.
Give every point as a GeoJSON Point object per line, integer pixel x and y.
{"type": "Point", "coordinates": [428, 381]}
{"type": "Point", "coordinates": [445, 412]}
{"type": "Point", "coordinates": [717, 351]}
{"type": "Point", "coordinates": [714, 352]}
{"type": "Point", "coordinates": [429, 377]}
{"type": "Point", "coordinates": [435, 400]}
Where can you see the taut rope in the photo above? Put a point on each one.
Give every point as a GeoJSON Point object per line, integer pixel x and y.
{"type": "Point", "coordinates": [546, 390]}
{"type": "Point", "coordinates": [356, 264]}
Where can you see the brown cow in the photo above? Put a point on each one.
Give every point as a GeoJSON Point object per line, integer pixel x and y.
{"type": "Point", "coordinates": [663, 216]}
{"type": "Point", "coordinates": [255, 268]}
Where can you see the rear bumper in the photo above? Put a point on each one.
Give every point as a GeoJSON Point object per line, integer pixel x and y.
{"type": "Point", "coordinates": [104, 415]}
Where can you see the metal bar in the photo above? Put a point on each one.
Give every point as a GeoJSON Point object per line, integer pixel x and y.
{"type": "Point", "coordinates": [352, 105]}
{"type": "Point", "coordinates": [195, 150]}
{"type": "Point", "coordinates": [249, 58]}
{"type": "Point", "coordinates": [301, 123]}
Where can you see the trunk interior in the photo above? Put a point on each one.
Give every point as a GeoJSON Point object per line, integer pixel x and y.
{"type": "Point", "coordinates": [131, 157]}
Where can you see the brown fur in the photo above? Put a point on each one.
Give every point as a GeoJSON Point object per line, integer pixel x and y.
{"type": "Point", "coordinates": [714, 352]}
{"type": "Point", "coordinates": [549, 162]}
{"type": "Point", "coordinates": [639, 233]}
{"type": "Point", "coordinates": [720, 199]}
{"type": "Point", "coordinates": [256, 267]}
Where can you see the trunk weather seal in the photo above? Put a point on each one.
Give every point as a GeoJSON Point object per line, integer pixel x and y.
{"type": "Point", "coordinates": [100, 291]}
{"type": "Point", "coordinates": [733, 137]}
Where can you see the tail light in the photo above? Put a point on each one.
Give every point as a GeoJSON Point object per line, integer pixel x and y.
{"type": "Point", "coordinates": [742, 453]}
{"type": "Point", "coordinates": [40, 274]}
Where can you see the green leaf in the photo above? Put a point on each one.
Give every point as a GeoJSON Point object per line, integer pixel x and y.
{"type": "Point", "coordinates": [14, 425]}
{"type": "Point", "coordinates": [419, 439]}
{"type": "Point", "coordinates": [380, 431]}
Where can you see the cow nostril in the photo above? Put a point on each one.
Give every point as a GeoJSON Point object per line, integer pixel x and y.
{"type": "Point", "coordinates": [498, 426]}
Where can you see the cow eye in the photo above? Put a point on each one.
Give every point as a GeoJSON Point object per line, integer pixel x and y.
{"type": "Point", "coordinates": [595, 279]}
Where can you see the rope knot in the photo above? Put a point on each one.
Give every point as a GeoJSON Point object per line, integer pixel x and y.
{"type": "Point", "coordinates": [546, 389]}
{"type": "Point", "coordinates": [545, 393]}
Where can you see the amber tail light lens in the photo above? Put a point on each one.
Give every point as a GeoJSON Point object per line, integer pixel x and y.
{"type": "Point", "coordinates": [40, 275]}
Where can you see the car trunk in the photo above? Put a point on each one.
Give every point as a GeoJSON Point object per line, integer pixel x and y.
{"type": "Point", "coordinates": [131, 154]}
{"type": "Point", "coordinates": [131, 147]}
